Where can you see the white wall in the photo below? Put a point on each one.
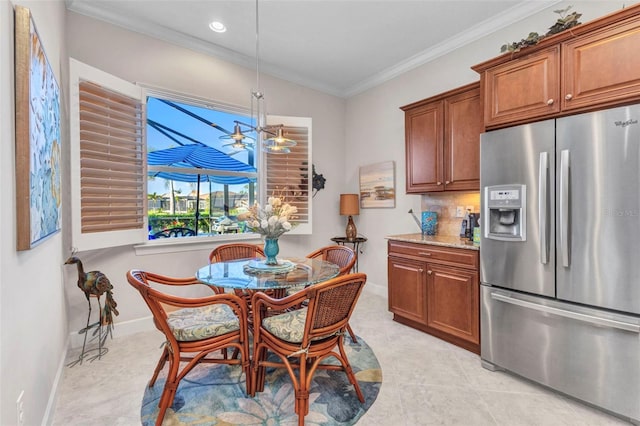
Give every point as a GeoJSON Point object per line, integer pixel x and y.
{"type": "Point", "coordinates": [33, 326]}
{"type": "Point", "coordinates": [375, 124]}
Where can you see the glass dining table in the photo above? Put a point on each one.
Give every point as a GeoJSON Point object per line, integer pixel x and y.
{"type": "Point", "coordinates": [252, 274]}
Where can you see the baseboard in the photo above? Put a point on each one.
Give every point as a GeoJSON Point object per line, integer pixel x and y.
{"type": "Point", "coordinates": [124, 328]}
{"type": "Point", "coordinates": [47, 418]}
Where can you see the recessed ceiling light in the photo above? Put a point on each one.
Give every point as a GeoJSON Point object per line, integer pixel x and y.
{"type": "Point", "coordinates": [217, 27]}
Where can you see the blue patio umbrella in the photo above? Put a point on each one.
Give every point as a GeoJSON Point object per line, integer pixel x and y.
{"type": "Point", "coordinates": [198, 156]}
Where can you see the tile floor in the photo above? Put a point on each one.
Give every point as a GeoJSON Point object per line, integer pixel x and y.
{"type": "Point", "coordinates": [426, 381]}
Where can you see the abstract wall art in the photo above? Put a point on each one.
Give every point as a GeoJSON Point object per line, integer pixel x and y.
{"type": "Point", "coordinates": [38, 192]}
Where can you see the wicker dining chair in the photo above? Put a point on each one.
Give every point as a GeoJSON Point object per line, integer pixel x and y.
{"type": "Point", "coordinates": [342, 256]}
{"type": "Point", "coordinates": [194, 328]}
{"type": "Point", "coordinates": [234, 251]}
{"type": "Point", "coordinates": [303, 338]}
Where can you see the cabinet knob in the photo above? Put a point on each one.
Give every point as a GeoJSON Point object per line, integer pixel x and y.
{"type": "Point", "coordinates": [568, 96]}
{"type": "Point", "coordinates": [446, 182]}
{"type": "Point", "coordinates": [550, 102]}
{"type": "Point", "coordinates": [421, 270]}
{"type": "Point", "coordinates": [438, 183]}
{"type": "Point", "coordinates": [429, 272]}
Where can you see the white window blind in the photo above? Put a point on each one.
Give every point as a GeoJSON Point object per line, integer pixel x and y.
{"type": "Point", "coordinates": [108, 160]}
{"type": "Point", "coordinates": [289, 175]}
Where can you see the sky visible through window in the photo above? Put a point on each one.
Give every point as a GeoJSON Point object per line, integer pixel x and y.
{"type": "Point", "coordinates": [183, 123]}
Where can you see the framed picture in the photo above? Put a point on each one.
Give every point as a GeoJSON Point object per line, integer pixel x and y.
{"type": "Point", "coordinates": [377, 185]}
{"type": "Point", "coordinates": [38, 193]}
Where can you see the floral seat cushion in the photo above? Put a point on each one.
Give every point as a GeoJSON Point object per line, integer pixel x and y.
{"type": "Point", "coordinates": [189, 324]}
{"type": "Point", "coordinates": [288, 326]}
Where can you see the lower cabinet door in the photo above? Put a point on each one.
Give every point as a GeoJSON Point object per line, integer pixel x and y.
{"type": "Point", "coordinates": [407, 289]}
{"type": "Point", "coordinates": [452, 302]}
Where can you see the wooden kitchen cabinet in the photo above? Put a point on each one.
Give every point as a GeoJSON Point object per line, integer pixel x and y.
{"type": "Point", "coordinates": [442, 141]}
{"type": "Point", "coordinates": [524, 89]}
{"type": "Point", "coordinates": [602, 67]}
{"type": "Point", "coordinates": [453, 306]}
{"type": "Point", "coordinates": [436, 289]}
{"type": "Point", "coordinates": [408, 295]}
{"type": "Point", "coordinates": [592, 66]}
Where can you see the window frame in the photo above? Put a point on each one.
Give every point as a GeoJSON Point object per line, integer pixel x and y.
{"type": "Point", "coordinates": [139, 239]}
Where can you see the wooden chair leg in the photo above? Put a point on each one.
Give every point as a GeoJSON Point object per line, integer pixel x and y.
{"type": "Point", "coordinates": [258, 371]}
{"type": "Point", "coordinates": [352, 334]}
{"type": "Point", "coordinates": [348, 370]}
{"type": "Point", "coordinates": [302, 391]}
{"type": "Point", "coordinates": [161, 362]}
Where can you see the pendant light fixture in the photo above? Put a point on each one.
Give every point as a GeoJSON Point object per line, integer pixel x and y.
{"type": "Point", "coordinates": [276, 142]}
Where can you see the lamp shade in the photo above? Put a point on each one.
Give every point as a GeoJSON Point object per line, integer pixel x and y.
{"type": "Point", "coordinates": [349, 204]}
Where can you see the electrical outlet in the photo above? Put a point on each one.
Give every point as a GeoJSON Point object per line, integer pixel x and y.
{"type": "Point", "coordinates": [459, 211]}
{"type": "Point", "coordinates": [469, 208]}
{"type": "Point", "coordinates": [20, 409]}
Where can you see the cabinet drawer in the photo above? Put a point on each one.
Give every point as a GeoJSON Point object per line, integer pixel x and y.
{"type": "Point", "coordinates": [446, 255]}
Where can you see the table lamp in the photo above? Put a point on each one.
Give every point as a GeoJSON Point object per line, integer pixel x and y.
{"type": "Point", "coordinates": [350, 205]}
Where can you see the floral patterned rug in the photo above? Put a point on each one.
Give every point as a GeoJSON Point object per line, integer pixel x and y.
{"type": "Point", "coordinates": [215, 395]}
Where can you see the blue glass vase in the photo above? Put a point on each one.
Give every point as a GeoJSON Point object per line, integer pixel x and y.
{"type": "Point", "coordinates": [271, 250]}
{"type": "Point", "coordinates": [429, 223]}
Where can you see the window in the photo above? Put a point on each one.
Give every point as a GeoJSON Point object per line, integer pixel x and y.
{"type": "Point", "coordinates": [198, 179]}
{"type": "Point", "coordinates": [137, 169]}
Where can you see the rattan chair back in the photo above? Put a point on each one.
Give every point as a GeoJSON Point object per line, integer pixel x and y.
{"type": "Point", "coordinates": [342, 256]}
{"type": "Point", "coordinates": [235, 251]}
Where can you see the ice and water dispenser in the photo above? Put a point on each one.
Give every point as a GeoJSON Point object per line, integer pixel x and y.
{"type": "Point", "coordinates": [505, 212]}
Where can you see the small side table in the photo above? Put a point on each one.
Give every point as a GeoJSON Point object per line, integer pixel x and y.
{"type": "Point", "coordinates": [355, 243]}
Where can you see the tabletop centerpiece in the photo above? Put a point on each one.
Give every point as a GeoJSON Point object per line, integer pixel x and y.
{"type": "Point", "coordinates": [271, 221]}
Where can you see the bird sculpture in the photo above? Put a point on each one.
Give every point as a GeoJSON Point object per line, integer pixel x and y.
{"type": "Point", "coordinates": [96, 283]}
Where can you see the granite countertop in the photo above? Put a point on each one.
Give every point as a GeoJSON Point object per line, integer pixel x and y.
{"type": "Point", "coordinates": [436, 240]}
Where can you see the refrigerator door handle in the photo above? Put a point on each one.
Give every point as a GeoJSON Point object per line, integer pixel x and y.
{"type": "Point", "coordinates": [635, 328]}
{"type": "Point", "coordinates": [564, 206]}
{"type": "Point", "coordinates": [543, 213]}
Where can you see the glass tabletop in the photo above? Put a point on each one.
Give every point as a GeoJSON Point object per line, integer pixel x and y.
{"type": "Point", "coordinates": [246, 274]}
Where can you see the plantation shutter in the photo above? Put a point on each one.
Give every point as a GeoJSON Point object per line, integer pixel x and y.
{"type": "Point", "coordinates": [108, 150]}
{"type": "Point", "coordinates": [289, 175]}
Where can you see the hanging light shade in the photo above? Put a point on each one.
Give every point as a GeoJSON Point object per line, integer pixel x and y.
{"type": "Point", "coordinates": [237, 134]}
{"type": "Point", "coordinates": [278, 142]}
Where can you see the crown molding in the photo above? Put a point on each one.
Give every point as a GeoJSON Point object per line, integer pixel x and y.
{"type": "Point", "coordinates": [504, 19]}
{"type": "Point", "coordinates": [508, 17]}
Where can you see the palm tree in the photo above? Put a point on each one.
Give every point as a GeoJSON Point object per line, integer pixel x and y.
{"type": "Point", "coordinates": [154, 197]}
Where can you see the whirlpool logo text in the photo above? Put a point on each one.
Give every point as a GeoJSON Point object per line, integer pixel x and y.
{"type": "Point", "coordinates": [626, 123]}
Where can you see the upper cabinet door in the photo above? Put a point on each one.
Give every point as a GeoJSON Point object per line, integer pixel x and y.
{"type": "Point", "coordinates": [519, 90]}
{"type": "Point", "coordinates": [603, 67]}
{"type": "Point", "coordinates": [424, 147]}
{"type": "Point", "coordinates": [463, 125]}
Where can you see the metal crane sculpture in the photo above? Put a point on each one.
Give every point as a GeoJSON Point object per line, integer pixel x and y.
{"type": "Point", "coordinates": [95, 283]}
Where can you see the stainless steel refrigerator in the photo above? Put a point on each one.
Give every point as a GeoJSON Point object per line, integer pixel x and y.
{"type": "Point", "coordinates": [560, 255]}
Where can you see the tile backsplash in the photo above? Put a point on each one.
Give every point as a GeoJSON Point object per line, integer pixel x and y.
{"type": "Point", "coordinates": [445, 205]}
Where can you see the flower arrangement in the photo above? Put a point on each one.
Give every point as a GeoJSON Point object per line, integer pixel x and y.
{"type": "Point", "coordinates": [272, 220]}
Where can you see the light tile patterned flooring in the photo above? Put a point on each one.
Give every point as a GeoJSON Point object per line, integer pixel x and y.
{"type": "Point", "coordinates": [426, 381]}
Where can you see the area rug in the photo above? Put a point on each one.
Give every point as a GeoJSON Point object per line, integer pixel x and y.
{"type": "Point", "coordinates": [215, 395]}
